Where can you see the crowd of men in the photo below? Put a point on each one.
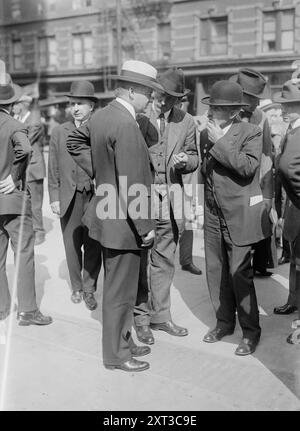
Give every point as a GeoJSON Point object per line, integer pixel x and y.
{"type": "Point", "coordinates": [144, 137]}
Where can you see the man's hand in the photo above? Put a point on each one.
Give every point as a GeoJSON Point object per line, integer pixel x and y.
{"type": "Point", "coordinates": [7, 186]}
{"type": "Point", "coordinates": [214, 131]}
{"type": "Point", "coordinates": [148, 239]}
{"type": "Point", "coordinates": [180, 160]}
{"type": "Point", "coordinates": [55, 206]}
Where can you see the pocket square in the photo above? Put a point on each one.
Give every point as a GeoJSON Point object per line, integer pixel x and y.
{"type": "Point", "coordinates": [255, 200]}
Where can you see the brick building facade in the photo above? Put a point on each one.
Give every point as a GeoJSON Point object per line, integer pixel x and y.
{"type": "Point", "coordinates": [57, 41]}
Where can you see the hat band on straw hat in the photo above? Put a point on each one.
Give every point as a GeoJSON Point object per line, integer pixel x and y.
{"type": "Point", "coordinates": [135, 75]}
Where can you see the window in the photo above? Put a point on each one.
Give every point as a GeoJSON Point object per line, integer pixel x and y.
{"type": "Point", "coordinates": [15, 9]}
{"type": "Point", "coordinates": [81, 4]}
{"type": "Point", "coordinates": [164, 41]}
{"type": "Point", "coordinates": [278, 30]}
{"type": "Point", "coordinates": [17, 54]}
{"type": "Point", "coordinates": [82, 49]}
{"type": "Point", "coordinates": [214, 32]}
{"type": "Point", "coordinates": [47, 51]}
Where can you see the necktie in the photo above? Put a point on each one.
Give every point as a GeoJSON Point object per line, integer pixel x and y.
{"type": "Point", "coordinates": [162, 124]}
{"type": "Point", "coordinates": [245, 114]}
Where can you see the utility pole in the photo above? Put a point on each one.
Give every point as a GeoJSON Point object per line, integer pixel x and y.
{"type": "Point", "coordinates": [119, 35]}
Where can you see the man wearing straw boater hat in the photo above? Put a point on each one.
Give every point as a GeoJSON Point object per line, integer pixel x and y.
{"type": "Point", "coordinates": [289, 170]}
{"type": "Point", "coordinates": [233, 210]}
{"type": "Point", "coordinates": [15, 212]}
{"type": "Point", "coordinates": [111, 149]}
{"type": "Point", "coordinates": [70, 191]}
{"type": "Point", "coordinates": [255, 87]}
{"type": "Point", "coordinates": [170, 135]}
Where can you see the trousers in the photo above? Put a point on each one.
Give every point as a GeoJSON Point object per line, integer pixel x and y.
{"type": "Point", "coordinates": [36, 190]}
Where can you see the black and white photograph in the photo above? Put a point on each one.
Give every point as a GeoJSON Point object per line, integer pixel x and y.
{"type": "Point", "coordinates": [149, 209]}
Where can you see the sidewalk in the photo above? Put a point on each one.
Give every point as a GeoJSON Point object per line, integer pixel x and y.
{"type": "Point", "coordinates": [59, 367]}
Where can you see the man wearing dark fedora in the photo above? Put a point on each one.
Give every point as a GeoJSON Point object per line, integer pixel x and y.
{"type": "Point", "coordinates": [288, 169]}
{"type": "Point", "coordinates": [111, 149]}
{"type": "Point", "coordinates": [255, 87]}
{"type": "Point", "coordinates": [70, 191]}
{"type": "Point", "coordinates": [15, 212]}
{"type": "Point", "coordinates": [233, 209]}
{"type": "Point", "coordinates": [170, 135]}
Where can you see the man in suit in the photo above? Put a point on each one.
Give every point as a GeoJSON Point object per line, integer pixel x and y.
{"type": "Point", "coordinates": [70, 191]}
{"type": "Point", "coordinates": [36, 169]}
{"type": "Point", "coordinates": [111, 148]}
{"type": "Point", "coordinates": [170, 135]}
{"type": "Point", "coordinates": [15, 212]}
{"type": "Point", "coordinates": [289, 163]}
{"type": "Point", "coordinates": [255, 87]}
{"type": "Point", "coordinates": [234, 214]}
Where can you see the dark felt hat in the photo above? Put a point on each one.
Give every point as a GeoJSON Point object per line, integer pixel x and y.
{"type": "Point", "coordinates": [82, 89]}
{"type": "Point", "coordinates": [252, 82]}
{"type": "Point", "coordinates": [225, 93]}
{"type": "Point", "coordinates": [172, 81]}
{"type": "Point", "coordinates": [290, 93]}
{"type": "Point", "coordinates": [9, 92]}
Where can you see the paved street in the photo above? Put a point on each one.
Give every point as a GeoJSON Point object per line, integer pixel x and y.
{"type": "Point", "coordinates": [59, 367]}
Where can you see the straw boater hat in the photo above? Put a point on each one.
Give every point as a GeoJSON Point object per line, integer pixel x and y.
{"type": "Point", "coordinates": [172, 81]}
{"type": "Point", "coordinates": [139, 72]}
{"type": "Point", "coordinates": [266, 104]}
{"type": "Point", "coordinates": [252, 82]}
{"type": "Point", "coordinates": [225, 93]}
{"type": "Point", "coordinates": [290, 93]}
{"type": "Point", "coordinates": [82, 89]}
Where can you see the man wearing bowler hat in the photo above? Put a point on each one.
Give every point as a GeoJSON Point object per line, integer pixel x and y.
{"type": "Point", "coordinates": [289, 169]}
{"type": "Point", "coordinates": [255, 87]}
{"type": "Point", "coordinates": [170, 135]}
{"type": "Point", "coordinates": [70, 191]}
{"type": "Point", "coordinates": [15, 212]}
{"type": "Point", "coordinates": [233, 210]}
{"type": "Point", "coordinates": [111, 148]}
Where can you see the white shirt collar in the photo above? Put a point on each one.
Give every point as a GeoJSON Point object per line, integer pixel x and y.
{"type": "Point", "coordinates": [225, 130]}
{"type": "Point", "coordinates": [295, 124]}
{"type": "Point", "coordinates": [23, 119]}
{"type": "Point", "coordinates": [126, 105]}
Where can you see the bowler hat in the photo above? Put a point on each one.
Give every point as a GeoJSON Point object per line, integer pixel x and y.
{"type": "Point", "coordinates": [225, 93]}
{"type": "Point", "coordinates": [172, 81]}
{"type": "Point", "coordinates": [252, 82]}
{"type": "Point", "coordinates": [140, 73]}
{"type": "Point", "coordinates": [290, 93]}
{"type": "Point", "coordinates": [9, 92]}
{"type": "Point", "coordinates": [82, 89]}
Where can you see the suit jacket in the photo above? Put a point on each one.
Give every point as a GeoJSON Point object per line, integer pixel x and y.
{"type": "Point", "coordinates": [266, 178]}
{"type": "Point", "coordinates": [289, 166]}
{"type": "Point", "coordinates": [181, 138]}
{"type": "Point", "coordinates": [36, 132]}
{"type": "Point", "coordinates": [111, 148]}
{"type": "Point", "coordinates": [61, 168]}
{"type": "Point", "coordinates": [291, 227]}
{"type": "Point", "coordinates": [233, 161]}
{"type": "Point", "coordinates": [15, 152]}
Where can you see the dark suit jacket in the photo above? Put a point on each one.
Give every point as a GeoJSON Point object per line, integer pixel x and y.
{"type": "Point", "coordinates": [61, 168]}
{"type": "Point", "coordinates": [234, 162]}
{"type": "Point", "coordinates": [15, 151]}
{"type": "Point", "coordinates": [111, 146]}
{"type": "Point", "coordinates": [289, 166]}
{"type": "Point", "coordinates": [181, 138]}
{"type": "Point", "coordinates": [36, 132]}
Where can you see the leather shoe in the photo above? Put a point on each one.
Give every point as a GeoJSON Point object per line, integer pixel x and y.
{"type": "Point", "coordinates": [132, 365]}
{"type": "Point", "coordinates": [140, 350]}
{"type": "Point", "coordinates": [192, 269]}
{"type": "Point", "coordinates": [144, 334]}
{"type": "Point", "coordinates": [216, 335]}
{"type": "Point", "coordinates": [285, 309]}
{"type": "Point", "coordinates": [33, 318]}
{"type": "Point", "coordinates": [246, 347]}
{"type": "Point", "coordinates": [170, 328]}
{"type": "Point", "coordinates": [282, 260]}
{"type": "Point", "coordinates": [263, 273]}
{"type": "Point", "coordinates": [76, 296]}
{"type": "Point", "coordinates": [90, 300]}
